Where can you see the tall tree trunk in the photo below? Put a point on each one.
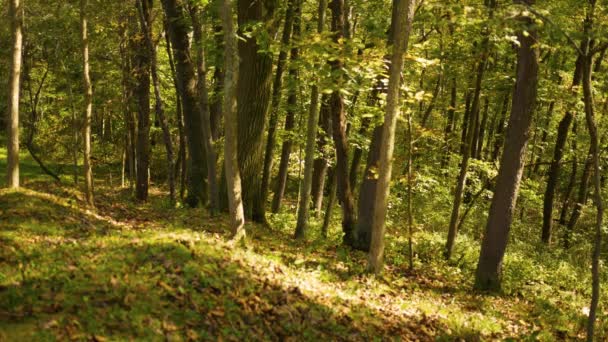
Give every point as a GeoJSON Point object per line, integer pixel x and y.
{"type": "Point", "coordinates": [145, 7]}
{"type": "Point", "coordinates": [482, 128]}
{"type": "Point", "coordinates": [543, 139]}
{"type": "Point", "coordinates": [253, 92]}
{"type": "Point", "coordinates": [16, 18]}
{"type": "Point", "coordinates": [311, 137]}
{"type": "Point", "coordinates": [571, 182]}
{"type": "Point", "coordinates": [141, 70]}
{"type": "Point", "coordinates": [203, 95]}
{"type": "Point", "coordinates": [290, 120]}
{"type": "Point", "coordinates": [215, 102]}
{"type": "Point", "coordinates": [488, 274]}
{"type": "Point", "coordinates": [233, 178]}
{"type": "Point", "coordinates": [555, 167]}
{"type": "Point", "coordinates": [179, 32]}
{"type": "Point", "coordinates": [277, 88]}
{"type": "Point", "coordinates": [467, 148]}
{"type": "Point", "coordinates": [338, 118]}
{"type": "Point", "coordinates": [331, 200]}
{"type": "Point", "coordinates": [404, 10]}
{"type": "Point", "coordinates": [500, 129]}
{"type": "Point", "coordinates": [88, 101]}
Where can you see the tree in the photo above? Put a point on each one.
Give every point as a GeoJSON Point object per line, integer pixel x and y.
{"type": "Point", "coordinates": [405, 16]}
{"type": "Point", "coordinates": [16, 16]}
{"type": "Point", "coordinates": [489, 267]}
{"type": "Point", "coordinates": [233, 178]}
{"type": "Point", "coordinates": [88, 100]}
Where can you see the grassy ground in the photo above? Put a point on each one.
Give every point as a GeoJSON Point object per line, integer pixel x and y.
{"type": "Point", "coordinates": [147, 272]}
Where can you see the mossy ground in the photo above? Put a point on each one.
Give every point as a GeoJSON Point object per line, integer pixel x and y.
{"type": "Point", "coordinates": [128, 271]}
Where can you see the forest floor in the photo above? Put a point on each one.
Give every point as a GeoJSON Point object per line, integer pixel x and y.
{"type": "Point", "coordinates": [128, 271]}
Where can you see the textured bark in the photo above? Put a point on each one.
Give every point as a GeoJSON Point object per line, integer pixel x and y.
{"type": "Point", "coordinates": [277, 88]}
{"type": "Point", "coordinates": [401, 31]}
{"type": "Point", "coordinates": [16, 19]}
{"type": "Point", "coordinates": [233, 179]}
{"type": "Point", "coordinates": [488, 274]}
{"type": "Point", "coordinates": [290, 120]}
{"type": "Point", "coordinates": [555, 167]}
{"type": "Point", "coordinates": [338, 118]}
{"type": "Point", "coordinates": [88, 102]}
{"type": "Point", "coordinates": [179, 31]}
{"type": "Point", "coordinates": [311, 137]}
{"type": "Point", "coordinates": [203, 96]}
{"type": "Point", "coordinates": [253, 93]}
{"type": "Point", "coordinates": [141, 71]}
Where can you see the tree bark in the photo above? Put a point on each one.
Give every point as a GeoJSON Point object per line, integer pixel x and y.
{"type": "Point", "coordinates": [253, 92]}
{"type": "Point", "coordinates": [88, 101]}
{"type": "Point", "coordinates": [321, 165]}
{"type": "Point", "coordinates": [233, 179]}
{"type": "Point", "coordinates": [488, 274]}
{"type": "Point", "coordinates": [179, 32]}
{"type": "Point", "coordinates": [401, 32]}
{"type": "Point", "coordinates": [16, 19]}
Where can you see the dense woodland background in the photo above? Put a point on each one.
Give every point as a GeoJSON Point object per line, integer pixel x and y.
{"type": "Point", "coordinates": [266, 169]}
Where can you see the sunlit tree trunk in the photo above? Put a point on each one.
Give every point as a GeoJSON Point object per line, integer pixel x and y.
{"type": "Point", "coordinates": [88, 102]}
{"type": "Point", "coordinates": [16, 18]}
{"type": "Point", "coordinates": [401, 33]}
{"type": "Point", "coordinates": [488, 274]}
{"type": "Point", "coordinates": [233, 179]}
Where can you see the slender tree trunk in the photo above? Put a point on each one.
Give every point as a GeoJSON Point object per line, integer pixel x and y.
{"type": "Point", "coordinates": [338, 119]}
{"type": "Point", "coordinates": [555, 167]}
{"type": "Point", "coordinates": [429, 109]}
{"type": "Point", "coordinates": [500, 129]}
{"type": "Point", "coordinates": [215, 102]}
{"type": "Point", "coordinates": [571, 182]}
{"type": "Point", "coordinates": [401, 32]}
{"type": "Point", "coordinates": [277, 88]}
{"type": "Point", "coordinates": [16, 18]}
{"type": "Point", "coordinates": [145, 7]}
{"type": "Point", "coordinates": [253, 92]}
{"type": "Point", "coordinates": [88, 100]}
{"type": "Point", "coordinates": [482, 128]}
{"type": "Point", "coordinates": [331, 201]}
{"type": "Point", "coordinates": [233, 179]}
{"type": "Point", "coordinates": [179, 33]}
{"type": "Point", "coordinates": [488, 274]}
{"type": "Point", "coordinates": [449, 127]}
{"type": "Point", "coordinates": [203, 95]}
{"type": "Point", "coordinates": [141, 71]}
{"type": "Point", "coordinates": [321, 165]}
{"type": "Point", "coordinates": [543, 139]}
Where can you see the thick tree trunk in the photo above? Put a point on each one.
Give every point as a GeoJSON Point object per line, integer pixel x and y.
{"type": "Point", "coordinates": [277, 88]}
{"type": "Point", "coordinates": [233, 178]}
{"type": "Point", "coordinates": [179, 32]}
{"type": "Point", "coordinates": [404, 10]}
{"type": "Point", "coordinates": [290, 120]}
{"type": "Point", "coordinates": [203, 96]}
{"type": "Point", "coordinates": [16, 18]}
{"type": "Point", "coordinates": [488, 274]}
{"type": "Point", "coordinates": [88, 101]}
{"type": "Point", "coordinates": [338, 118]}
{"type": "Point", "coordinates": [555, 167]}
{"type": "Point", "coordinates": [253, 92]}
{"type": "Point", "coordinates": [141, 71]}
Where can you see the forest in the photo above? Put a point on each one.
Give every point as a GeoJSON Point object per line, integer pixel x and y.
{"type": "Point", "coordinates": [303, 170]}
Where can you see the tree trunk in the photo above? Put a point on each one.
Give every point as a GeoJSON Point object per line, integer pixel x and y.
{"type": "Point", "coordinates": [253, 93]}
{"type": "Point", "coordinates": [179, 32]}
{"type": "Point", "coordinates": [500, 129]}
{"type": "Point", "coordinates": [331, 200]}
{"type": "Point", "coordinates": [482, 128]}
{"type": "Point", "coordinates": [290, 120]}
{"type": "Point", "coordinates": [571, 182]}
{"type": "Point", "coordinates": [277, 87]}
{"type": "Point", "coordinates": [215, 103]}
{"type": "Point", "coordinates": [338, 118]}
{"type": "Point", "coordinates": [543, 139]}
{"type": "Point", "coordinates": [404, 10]}
{"type": "Point", "coordinates": [488, 274]}
{"type": "Point", "coordinates": [311, 137]}
{"type": "Point", "coordinates": [469, 135]}
{"type": "Point", "coordinates": [145, 7]}
{"type": "Point", "coordinates": [321, 165]}
{"type": "Point", "coordinates": [203, 95]}
{"type": "Point", "coordinates": [88, 101]}
{"type": "Point", "coordinates": [555, 167]}
{"type": "Point", "coordinates": [233, 178]}
{"type": "Point", "coordinates": [141, 71]}
{"type": "Point", "coordinates": [16, 18]}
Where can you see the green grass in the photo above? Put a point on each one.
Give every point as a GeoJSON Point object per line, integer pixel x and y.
{"type": "Point", "coordinates": [148, 272]}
